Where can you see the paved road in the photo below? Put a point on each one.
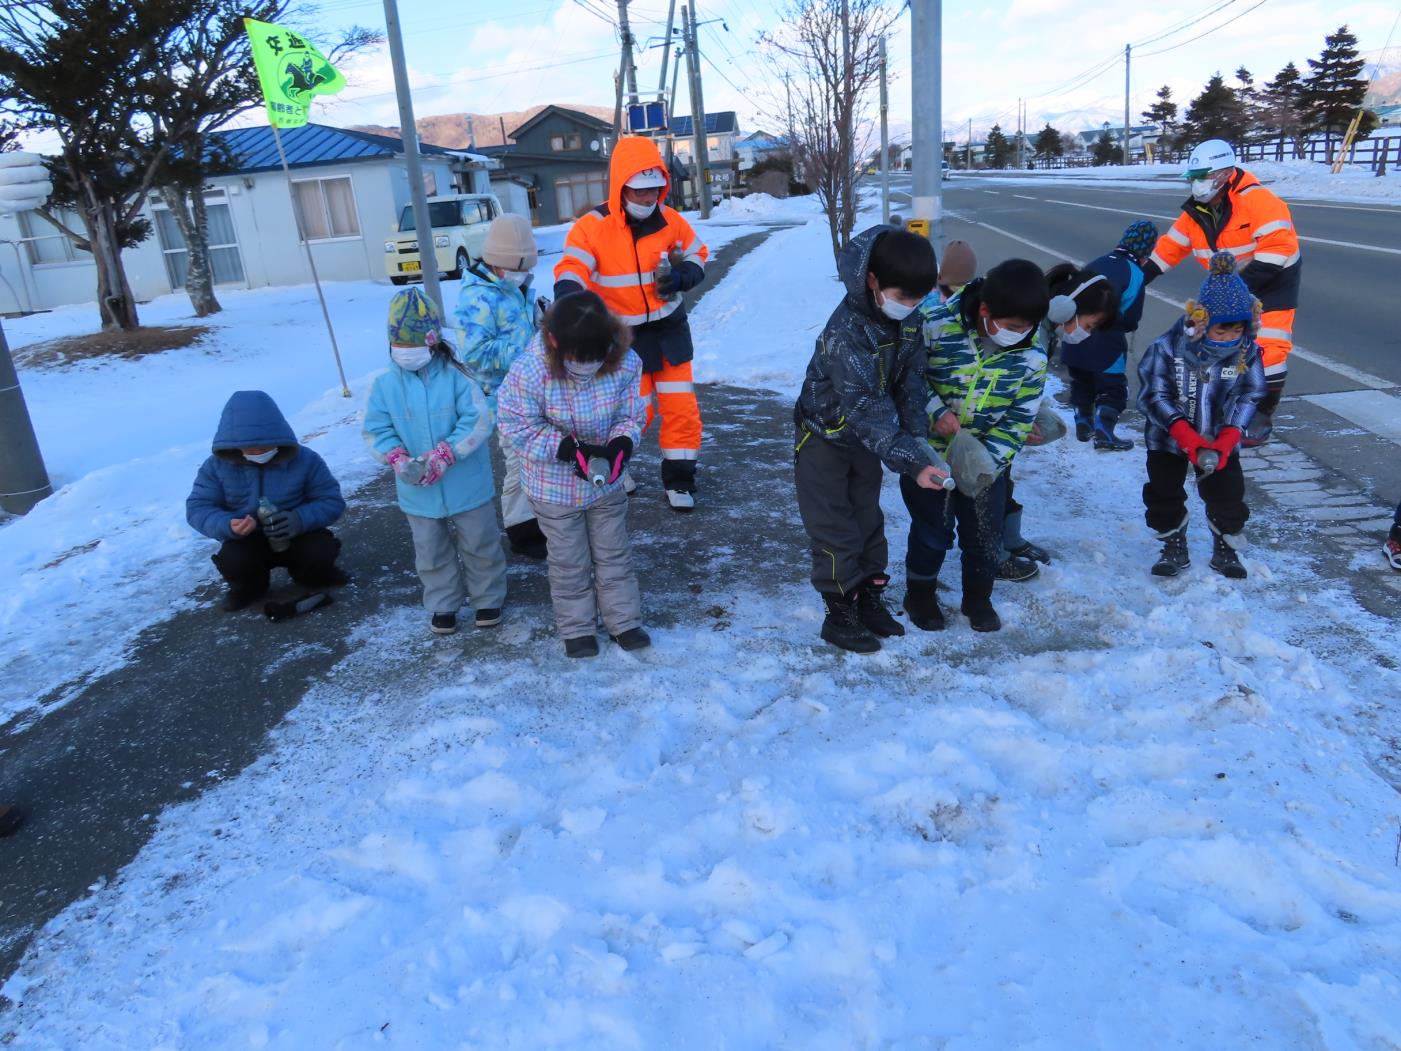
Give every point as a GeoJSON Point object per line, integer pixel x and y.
{"type": "Point", "coordinates": [1343, 403]}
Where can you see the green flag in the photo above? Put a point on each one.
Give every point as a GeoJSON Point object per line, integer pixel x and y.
{"type": "Point", "coordinates": [290, 71]}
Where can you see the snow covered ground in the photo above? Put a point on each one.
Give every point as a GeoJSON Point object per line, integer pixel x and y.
{"type": "Point", "coordinates": [1300, 180]}
{"type": "Point", "coordinates": [109, 554]}
{"type": "Point", "coordinates": [1143, 815]}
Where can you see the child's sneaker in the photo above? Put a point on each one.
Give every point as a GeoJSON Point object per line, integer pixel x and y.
{"type": "Point", "coordinates": [1392, 548]}
{"type": "Point", "coordinates": [1017, 569]}
{"type": "Point", "coordinates": [633, 639]}
{"type": "Point", "coordinates": [1032, 551]}
{"type": "Point", "coordinates": [583, 646]}
{"type": "Point", "coordinates": [443, 623]}
{"type": "Point", "coordinates": [487, 618]}
{"type": "Point", "coordinates": [843, 629]}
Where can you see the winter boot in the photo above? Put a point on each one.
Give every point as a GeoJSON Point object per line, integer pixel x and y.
{"type": "Point", "coordinates": [871, 611]}
{"type": "Point", "coordinates": [1084, 429]}
{"type": "Point", "coordinates": [977, 604]}
{"type": "Point", "coordinates": [442, 623]}
{"type": "Point", "coordinates": [1223, 555]}
{"type": "Point", "coordinates": [1105, 438]}
{"type": "Point", "coordinates": [843, 629]}
{"type": "Point", "coordinates": [922, 604]}
{"type": "Point", "coordinates": [1016, 569]}
{"type": "Point", "coordinates": [632, 639]}
{"type": "Point", "coordinates": [1392, 548]}
{"type": "Point", "coordinates": [679, 484]}
{"type": "Point", "coordinates": [583, 646]}
{"type": "Point", "coordinates": [1174, 558]}
{"type": "Point", "coordinates": [526, 539]}
{"type": "Point", "coordinates": [1019, 546]}
{"type": "Point", "coordinates": [237, 598]}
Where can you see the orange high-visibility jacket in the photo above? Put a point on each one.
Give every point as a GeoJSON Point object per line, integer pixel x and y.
{"type": "Point", "coordinates": [616, 258]}
{"type": "Point", "coordinates": [1254, 225]}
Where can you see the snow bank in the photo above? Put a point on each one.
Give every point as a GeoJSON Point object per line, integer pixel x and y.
{"type": "Point", "coordinates": [766, 206]}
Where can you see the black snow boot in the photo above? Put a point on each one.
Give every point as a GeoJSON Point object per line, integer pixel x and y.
{"type": "Point", "coordinates": [1223, 556]}
{"type": "Point", "coordinates": [977, 605]}
{"type": "Point", "coordinates": [526, 539]}
{"type": "Point", "coordinates": [1084, 429]}
{"type": "Point", "coordinates": [871, 611]}
{"type": "Point", "coordinates": [1174, 558]}
{"type": "Point", "coordinates": [843, 628]}
{"type": "Point", "coordinates": [1105, 438]}
{"type": "Point", "coordinates": [922, 604]}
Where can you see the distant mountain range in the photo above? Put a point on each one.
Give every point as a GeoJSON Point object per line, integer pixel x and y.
{"type": "Point", "coordinates": [449, 130]}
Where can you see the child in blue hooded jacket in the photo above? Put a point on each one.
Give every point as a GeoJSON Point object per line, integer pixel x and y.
{"type": "Point", "coordinates": [429, 420]}
{"type": "Point", "coordinates": [255, 457]}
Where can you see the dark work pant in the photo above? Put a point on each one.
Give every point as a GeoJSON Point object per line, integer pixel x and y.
{"type": "Point", "coordinates": [1165, 493]}
{"type": "Point", "coordinates": [839, 500]}
{"type": "Point", "coordinates": [1092, 390]}
{"type": "Point", "coordinates": [246, 562]}
{"type": "Point", "coordinates": [938, 515]}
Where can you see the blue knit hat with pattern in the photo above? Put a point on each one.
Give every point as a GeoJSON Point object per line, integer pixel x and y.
{"type": "Point", "coordinates": [1223, 294]}
{"type": "Point", "coordinates": [414, 320]}
{"type": "Point", "coordinates": [1139, 238]}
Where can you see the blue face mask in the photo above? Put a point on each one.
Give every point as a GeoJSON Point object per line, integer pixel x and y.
{"type": "Point", "coordinates": [1217, 344]}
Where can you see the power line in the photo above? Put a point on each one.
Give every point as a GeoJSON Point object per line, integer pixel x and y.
{"type": "Point", "coordinates": [1223, 25]}
{"type": "Point", "coordinates": [1184, 25]}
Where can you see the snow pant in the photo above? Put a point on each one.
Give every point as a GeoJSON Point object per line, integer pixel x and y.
{"type": "Point", "coordinates": [246, 562]}
{"type": "Point", "coordinates": [671, 394]}
{"type": "Point", "coordinates": [590, 565]}
{"type": "Point", "coordinates": [938, 515]}
{"type": "Point", "coordinates": [1090, 390]}
{"type": "Point", "coordinates": [459, 558]}
{"type": "Point", "coordinates": [1276, 339]}
{"type": "Point", "coordinates": [515, 507]}
{"type": "Point", "coordinates": [839, 501]}
{"type": "Point", "coordinates": [1165, 494]}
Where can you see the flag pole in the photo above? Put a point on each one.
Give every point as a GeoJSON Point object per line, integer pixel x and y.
{"type": "Point", "coordinates": [311, 261]}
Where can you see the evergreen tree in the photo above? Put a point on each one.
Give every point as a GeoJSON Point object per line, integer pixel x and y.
{"type": "Point", "coordinates": [1334, 90]}
{"type": "Point", "coordinates": [1106, 151]}
{"type": "Point", "coordinates": [1251, 106]}
{"type": "Point", "coordinates": [1214, 114]}
{"type": "Point", "coordinates": [999, 150]}
{"type": "Point", "coordinates": [1048, 144]}
{"type": "Point", "coordinates": [1282, 109]}
{"type": "Point", "coordinates": [1162, 113]}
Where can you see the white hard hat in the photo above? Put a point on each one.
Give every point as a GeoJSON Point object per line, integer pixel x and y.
{"type": "Point", "coordinates": [24, 182]}
{"type": "Point", "coordinates": [646, 179]}
{"type": "Point", "coordinates": [1210, 156]}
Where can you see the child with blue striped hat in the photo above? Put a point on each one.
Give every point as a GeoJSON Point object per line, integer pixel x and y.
{"type": "Point", "coordinates": [1200, 383]}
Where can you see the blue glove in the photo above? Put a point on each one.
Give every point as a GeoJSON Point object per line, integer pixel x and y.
{"type": "Point", "coordinates": [282, 525]}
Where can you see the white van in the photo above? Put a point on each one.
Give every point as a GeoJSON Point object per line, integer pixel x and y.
{"type": "Point", "coordinates": [459, 231]}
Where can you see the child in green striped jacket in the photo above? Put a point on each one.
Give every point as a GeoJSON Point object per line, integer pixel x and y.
{"type": "Point", "coordinates": [986, 375]}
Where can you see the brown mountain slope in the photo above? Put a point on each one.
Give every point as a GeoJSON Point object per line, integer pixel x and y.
{"type": "Point", "coordinates": [449, 130]}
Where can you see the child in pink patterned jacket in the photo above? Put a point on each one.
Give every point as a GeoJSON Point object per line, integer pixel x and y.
{"type": "Point", "coordinates": [570, 407]}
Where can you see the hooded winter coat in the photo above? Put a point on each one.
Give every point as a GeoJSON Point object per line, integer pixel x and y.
{"type": "Point", "coordinates": [497, 322]}
{"type": "Point", "coordinates": [1180, 379]}
{"type": "Point", "coordinates": [419, 409]}
{"type": "Point", "coordinates": [228, 486]}
{"type": "Point", "coordinates": [609, 252]}
{"type": "Point", "coordinates": [1107, 344]}
{"type": "Point", "coordinates": [865, 383]}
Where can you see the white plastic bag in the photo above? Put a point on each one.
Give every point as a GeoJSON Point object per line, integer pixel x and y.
{"type": "Point", "coordinates": [972, 466]}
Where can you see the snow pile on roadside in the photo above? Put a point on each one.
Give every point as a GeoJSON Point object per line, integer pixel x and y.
{"type": "Point", "coordinates": [1136, 817]}
{"type": "Point", "coordinates": [766, 206]}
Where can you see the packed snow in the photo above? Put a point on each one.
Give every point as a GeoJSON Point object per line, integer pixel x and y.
{"type": "Point", "coordinates": [1143, 815]}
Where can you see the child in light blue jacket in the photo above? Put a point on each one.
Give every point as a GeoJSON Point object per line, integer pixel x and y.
{"type": "Point", "coordinates": [428, 420]}
{"type": "Point", "coordinates": [497, 322]}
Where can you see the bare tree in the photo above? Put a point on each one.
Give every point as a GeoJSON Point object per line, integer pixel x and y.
{"type": "Point", "coordinates": [831, 51]}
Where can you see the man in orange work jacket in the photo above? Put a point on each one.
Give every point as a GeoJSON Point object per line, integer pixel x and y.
{"type": "Point", "coordinates": [614, 250]}
{"type": "Point", "coordinates": [1229, 210]}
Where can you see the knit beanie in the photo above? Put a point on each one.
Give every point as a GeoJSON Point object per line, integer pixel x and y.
{"type": "Point", "coordinates": [510, 243]}
{"type": "Point", "coordinates": [1139, 238]}
{"type": "Point", "coordinates": [1223, 298]}
{"type": "Point", "coordinates": [414, 320]}
{"type": "Point", "coordinates": [959, 265]}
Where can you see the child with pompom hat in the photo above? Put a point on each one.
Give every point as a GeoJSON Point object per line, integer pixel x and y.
{"type": "Point", "coordinates": [1199, 385]}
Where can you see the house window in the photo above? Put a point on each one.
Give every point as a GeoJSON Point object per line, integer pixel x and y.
{"type": "Point", "coordinates": [327, 208]}
{"type": "Point", "coordinates": [713, 143]}
{"type": "Point", "coordinates": [43, 243]}
{"type": "Point", "coordinates": [562, 143]}
{"type": "Point", "coordinates": [576, 194]}
{"type": "Point", "coordinates": [224, 258]}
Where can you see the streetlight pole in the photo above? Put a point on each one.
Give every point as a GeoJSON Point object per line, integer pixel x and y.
{"type": "Point", "coordinates": [926, 202]}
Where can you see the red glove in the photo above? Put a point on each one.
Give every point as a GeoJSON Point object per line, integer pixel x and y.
{"type": "Point", "coordinates": [1185, 435]}
{"type": "Point", "coordinates": [1225, 444]}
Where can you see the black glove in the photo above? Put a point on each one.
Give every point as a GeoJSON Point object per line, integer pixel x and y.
{"type": "Point", "coordinates": [686, 276]}
{"type": "Point", "coordinates": [567, 449]}
{"type": "Point", "coordinates": [282, 525]}
{"type": "Point", "coordinates": [671, 284]}
{"type": "Point", "coordinates": [577, 454]}
{"type": "Point", "coordinates": [617, 452]}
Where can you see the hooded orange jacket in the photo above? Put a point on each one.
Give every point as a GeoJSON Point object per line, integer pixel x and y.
{"type": "Point", "coordinates": [615, 256]}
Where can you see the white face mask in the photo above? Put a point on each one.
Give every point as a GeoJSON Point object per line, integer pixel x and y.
{"type": "Point", "coordinates": [581, 370]}
{"type": "Point", "coordinates": [895, 311]}
{"type": "Point", "coordinates": [1075, 335]}
{"type": "Point", "coordinates": [639, 211]}
{"type": "Point", "coordinates": [1204, 189]}
{"type": "Point", "coordinates": [260, 457]}
{"type": "Point", "coordinates": [1005, 337]}
{"type": "Point", "coordinates": [519, 278]}
{"type": "Point", "coordinates": [411, 358]}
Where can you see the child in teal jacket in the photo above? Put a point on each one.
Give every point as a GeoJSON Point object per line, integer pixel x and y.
{"type": "Point", "coordinates": [428, 420]}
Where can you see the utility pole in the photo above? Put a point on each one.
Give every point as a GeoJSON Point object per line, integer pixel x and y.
{"type": "Point", "coordinates": [408, 132]}
{"type": "Point", "coordinates": [884, 142]}
{"type": "Point", "coordinates": [1019, 133]}
{"type": "Point", "coordinates": [701, 157]}
{"type": "Point", "coordinates": [666, 50]}
{"type": "Point", "coordinates": [471, 133]}
{"type": "Point", "coordinates": [926, 64]}
{"type": "Point", "coordinates": [629, 70]}
{"type": "Point", "coordinates": [968, 159]}
{"type": "Point", "coordinates": [1128, 56]}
